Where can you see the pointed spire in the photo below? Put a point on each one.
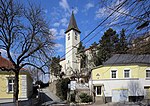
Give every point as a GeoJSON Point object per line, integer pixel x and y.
{"type": "Point", "coordinates": [72, 24]}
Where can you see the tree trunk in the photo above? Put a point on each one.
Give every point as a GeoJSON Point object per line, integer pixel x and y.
{"type": "Point", "coordinates": [16, 86]}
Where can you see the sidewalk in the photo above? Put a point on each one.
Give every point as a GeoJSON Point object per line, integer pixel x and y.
{"type": "Point", "coordinates": [115, 104]}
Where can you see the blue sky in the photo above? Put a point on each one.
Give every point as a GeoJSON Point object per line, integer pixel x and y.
{"type": "Point", "coordinates": [59, 12]}
{"type": "Point", "coordinates": [87, 13]}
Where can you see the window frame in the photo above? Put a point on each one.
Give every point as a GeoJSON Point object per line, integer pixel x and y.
{"type": "Point", "coordinates": [116, 73]}
{"type": "Point", "coordinates": [69, 36]}
{"type": "Point", "coordinates": [148, 73]}
{"type": "Point", "coordinates": [76, 36]}
{"type": "Point", "coordinates": [96, 90]}
{"type": "Point", "coordinates": [12, 79]}
{"type": "Point", "coordinates": [128, 73]}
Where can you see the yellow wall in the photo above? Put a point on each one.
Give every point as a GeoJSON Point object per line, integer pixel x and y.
{"type": "Point", "coordinates": [4, 83]}
{"type": "Point", "coordinates": [104, 72]}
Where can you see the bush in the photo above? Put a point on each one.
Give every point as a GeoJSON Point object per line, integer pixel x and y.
{"type": "Point", "coordinates": [85, 98]}
{"type": "Point", "coordinates": [62, 88]}
{"type": "Point", "coordinates": [72, 97]}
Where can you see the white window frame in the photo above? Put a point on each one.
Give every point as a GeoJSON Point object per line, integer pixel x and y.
{"type": "Point", "coordinates": [116, 73]}
{"type": "Point", "coordinates": [129, 73]}
{"type": "Point", "coordinates": [10, 78]}
{"type": "Point", "coordinates": [96, 91]}
{"type": "Point", "coordinates": [146, 73]}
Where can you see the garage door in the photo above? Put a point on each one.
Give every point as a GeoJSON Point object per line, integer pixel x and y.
{"type": "Point", "coordinates": [119, 95]}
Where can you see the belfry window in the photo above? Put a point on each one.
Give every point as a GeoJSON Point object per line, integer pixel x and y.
{"type": "Point", "coordinates": [76, 36]}
{"type": "Point", "coordinates": [69, 36]}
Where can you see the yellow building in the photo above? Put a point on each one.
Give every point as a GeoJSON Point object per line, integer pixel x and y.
{"type": "Point", "coordinates": [7, 82]}
{"type": "Point", "coordinates": [123, 77]}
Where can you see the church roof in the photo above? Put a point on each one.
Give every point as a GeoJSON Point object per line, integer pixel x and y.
{"type": "Point", "coordinates": [72, 24]}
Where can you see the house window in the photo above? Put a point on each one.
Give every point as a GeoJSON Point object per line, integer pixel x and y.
{"type": "Point", "coordinates": [97, 90]}
{"type": "Point", "coordinates": [126, 73]}
{"type": "Point", "coordinates": [147, 73]}
{"type": "Point", "coordinates": [69, 36]}
{"type": "Point", "coordinates": [113, 74]}
{"type": "Point", "coordinates": [10, 84]}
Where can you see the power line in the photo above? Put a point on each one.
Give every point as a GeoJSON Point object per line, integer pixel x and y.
{"type": "Point", "coordinates": [98, 26]}
{"type": "Point", "coordinates": [127, 14]}
{"type": "Point", "coordinates": [97, 33]}
{"type": "Point", "coordinates": [106, 26]}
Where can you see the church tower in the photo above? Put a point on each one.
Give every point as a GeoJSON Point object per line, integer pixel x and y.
{"type": "Point", "coordinates": [72, 39]}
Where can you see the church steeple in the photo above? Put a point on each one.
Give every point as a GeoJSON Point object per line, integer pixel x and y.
{"type": "Point", "coordinates": [72, 24]}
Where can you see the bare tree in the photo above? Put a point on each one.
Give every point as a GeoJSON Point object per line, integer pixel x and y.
{"type": "Point", "coordinates": [135, 89]}
{"type": "Point", "coordinates": [133, 16]}
{"type": "Point", "coordinates": [25, 36]}
{"type": "Point", "coordinates": [35, 73]}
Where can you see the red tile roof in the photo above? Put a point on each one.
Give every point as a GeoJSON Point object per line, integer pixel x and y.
{"type": "Point", "coordinates": [5, 63]}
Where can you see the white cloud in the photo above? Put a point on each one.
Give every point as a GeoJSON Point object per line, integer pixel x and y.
{"type": "Point", "coordinates": [75, 10]}
{"type": "Point", "coordinates": [105, 11]}
{"type": "Point", "coordinates": [64, 22]}
{"type": "Point", "coordinates": [102, 12]}
{"type": "Point", "coordinates": [64, 4]}
{"type": "Point", "coordinates": [56, 24]}
{"type": "Point", "coordinates": [3, 52]}
{"type": "Point", "coordinates": [59, 47]}
{"type": "Point", "coordinates": [62, 32]}
{"type": "Point", "coordinates": [54, 31]}
{"type": "Point", "coordinates": [57, 35]}
{"type": "Point", "coordinates": [88, 6]}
